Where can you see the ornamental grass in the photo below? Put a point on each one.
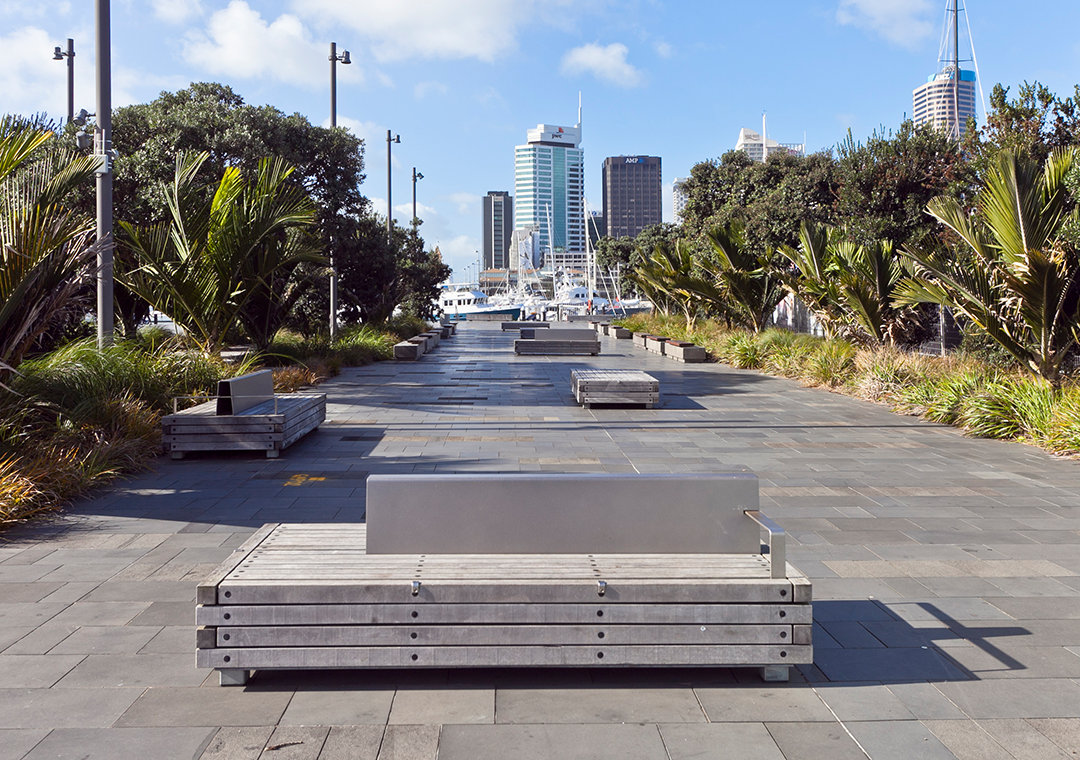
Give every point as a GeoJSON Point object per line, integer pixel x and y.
{"type": "Point", "coordinates": [983, 398]}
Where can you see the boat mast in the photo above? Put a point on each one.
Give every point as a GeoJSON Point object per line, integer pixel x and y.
{"type": "Point", "coordinates": [956, 69]}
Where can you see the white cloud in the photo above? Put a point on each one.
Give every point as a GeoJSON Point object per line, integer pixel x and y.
{"type": "Point", "coordinates": [177, 11]}
{"type": "Point", "coordinates": [422, 89]}
{"type": "Point", "coordinates": [605, 63]}
{"type": "Point", "coordinates": [902, 22]}
{"type": "Point", "coordinates": [663, 49]}
{"type": "Point", "coordinates": [239, 43]}
{"type": "Point", "coordinates": [481, 29]}
{"type": "Point", "coordinates": [466, 202]}
{"type": "Point", "coordinates": [32, 83]}
{"type": "Point", "coordinates": [368, 131]}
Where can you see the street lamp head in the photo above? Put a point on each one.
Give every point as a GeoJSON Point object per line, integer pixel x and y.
{"type": "Point", "coordinates": [419, 175]}
{"type": "Point", "coordinates": [58, 54]}
{"type": "Point", "coordinates": [397, 139]}
{"type": "Point", "coordinates": [345, 58]}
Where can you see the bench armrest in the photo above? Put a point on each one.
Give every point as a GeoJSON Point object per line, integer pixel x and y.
{"type": "Point", "coordinates": [777, 543]}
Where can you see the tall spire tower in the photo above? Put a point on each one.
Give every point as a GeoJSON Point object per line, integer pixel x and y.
{"type": "Point", "coordinates": [947, 100]}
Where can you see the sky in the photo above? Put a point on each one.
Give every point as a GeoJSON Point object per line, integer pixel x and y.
{"type": "Point", "coordinates": [461, 81]}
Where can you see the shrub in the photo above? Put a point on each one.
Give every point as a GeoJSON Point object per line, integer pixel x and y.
{"type": "Point", "coordinates": [831, 364]}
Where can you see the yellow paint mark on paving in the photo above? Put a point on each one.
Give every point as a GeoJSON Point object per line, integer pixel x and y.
{"type": "Point", "coordinates": [300, 478]}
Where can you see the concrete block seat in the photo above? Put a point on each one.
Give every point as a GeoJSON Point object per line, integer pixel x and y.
{"type": "Point", "coordinates": [245, 415]}
{"type": "Point", "coordinates": [521, 570]}
{"type": "Point", "coordinates": [681, 351]}
{"type": "Point", "coordinates": [557, 341]}
{"type": "Point", "coordinates": [614, 386]}
{"type": "Point", "coordinates": [654, 344]}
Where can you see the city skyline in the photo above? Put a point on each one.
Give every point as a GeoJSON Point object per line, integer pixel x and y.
{"type": "Point", "coordinates": [460, 82]}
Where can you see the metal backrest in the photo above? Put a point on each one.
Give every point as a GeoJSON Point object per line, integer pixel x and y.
{"type": "Point", "coordinates": [239, 393]}
{"type": "Point", "coordinates": [556, 513]}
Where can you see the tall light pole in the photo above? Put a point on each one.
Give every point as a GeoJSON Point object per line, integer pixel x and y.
{"type": "Point", "coordinates": [103, 76]}
{"type": "Point", "coordinates": [415, 176]}
{"type": "Point", "coordinates": [59, 55]}
{"type": "Point", "coordinates": [391, 138]}
{"type": "Point", "coordinates": [334, 58]}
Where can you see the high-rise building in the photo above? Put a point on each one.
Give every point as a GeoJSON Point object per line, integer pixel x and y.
{"type": "Point", "coordinates": [679, 197]}
{"type": "Point", "coordinates": [752, 144]}
{"type": "Point", "coordinates": [498, 228]}
{"type": "Point", "coordinates": [549, 188]}
{"type": "Point", "coordinates": [632, 194]}
{"type": "Point", "coordinates": [940, 100]}
{"type": "Point", "coordinates": [947, 100]}
{"type": "Point", "coordinates": [597, 226]}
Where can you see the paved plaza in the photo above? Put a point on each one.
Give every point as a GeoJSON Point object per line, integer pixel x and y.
{"type": "Point", "coordinates": [946, 577]}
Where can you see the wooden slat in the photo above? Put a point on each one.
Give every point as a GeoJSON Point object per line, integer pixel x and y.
{"type": "Point", "coordinates": [503, 614]}
{"type": "Point", "coordinates": [350, 591]}
{"type": "Point", "coordinates": [504, 635]}
{"type": "Point", "coordinates": [206, 591]}
{"type": "Point", "coordinates": [472, 656]}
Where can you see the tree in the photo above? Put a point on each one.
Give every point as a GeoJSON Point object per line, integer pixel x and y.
{"type": "Point", "coordinates": [47, 248]}
{"type": "Point", "coordinates": [664, 277]}
{"type": "Point", "coordinates": [228, 260]}
{"type": "Point", "coordinates": [769, 199]}
{"type": "Point", "coordinates": [1019, 278]}
{"type": "Point", "coordinates": [211, 118]}
{"type": "Point", "coordinates": [885, 184]}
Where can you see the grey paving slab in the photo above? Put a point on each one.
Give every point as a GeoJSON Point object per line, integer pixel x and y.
{"type": "Point", "coordinates": [16, 742]}
{"type": "Point", "coordinates": [815, 741]}
{"type": "Point", "coordinates": [122, 744]}
{"type": "Point", "coordinates": [1015, 698]}
{"type": "Point", "coordinates": [63, 708]}
{"type": "Point", "coordinates": [442, 706]}
{"type": "Point", "coordinates": [899, 740]}
{"type": "Point", "coordinates": [35, 671]}
{"type": "Point", "coordinates": [237, 743]}
{"type": "Point", "coordinates": [967, 740]}
{"type": "Point", "coordinates": [1022, 740]}
{"type": "Point", "coordinates": [193, 706]}
{"type": "Point", "coordinates": [717, 741]}
{"type": "Point", "coordinates": [925, 702]}
{"type": "Point", "coordinates": [606, 705]}
{"type": "Point", "coordinates": [410, 743]}
{"type": "Point", "coordinates": [115, 670]}
{"type": "Point", "coordinates": [352, 743]}
{"type": "Point", "coordinates": [794, 702]}
{"type": "Point", "coordinates": [542, 742]}
{"type": "Point", "coordinates": [297, 742]}
{"type": "Point", "coordinates": [342, 707]}
{"type": "Point", "coordinates": [105, 639]}
{"type": "Point", "coordinates": [866, 702]}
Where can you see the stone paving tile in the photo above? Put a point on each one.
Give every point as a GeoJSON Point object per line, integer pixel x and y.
{"type": "Point", "coordinates": [122, 744]}
{"type": "Point", "coordinates": [815, 741]}
{"type": "Point", "coordinates": [35, 671]}
{"type": "Point", "coordinates": [15, 742]}
{"type": "Point", "coordinates": [746, 741]}
{"type": "Point", "coordinates": [542, 742]}
{"type": "Point", "coordinates": [899, 740]}
{"type": "Point", "coordinates": [243, 743]}
{"type": "Point", "coordinates": [914, 536]}
{"type": "Point", "coordinates": [608, 705]}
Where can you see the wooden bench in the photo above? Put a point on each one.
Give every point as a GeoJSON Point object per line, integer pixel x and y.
{"type": "Point", "coordinates": [614, 386]}
{"type": "Point", "coordinates": [529, 324]}
{"type": "Point", "coordinates": [245, 415]}
{"type": "Point", "coordinates": [522, 570]}
{"type": "Point", "coordinates": [557, 341]}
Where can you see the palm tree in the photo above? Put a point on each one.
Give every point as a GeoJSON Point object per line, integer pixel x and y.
{"type": "Point", "coordinates": [47, 249]}
{"type": "Point", "coordinates": [663, 278]}
{"type": "Point", "coordinates": [741, 279]}
{"type": "Point", "coordinates": [814, 280]}
{"type": "Point", "coordinates": [1019, 278]}
{"type": "Point", "coordinates": [218, 264]}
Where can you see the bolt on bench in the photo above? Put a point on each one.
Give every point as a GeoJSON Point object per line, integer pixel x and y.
{"type": "Point", "coordinates": [245, 415]}
{"type": "Point", "coordinates": [564, 570]}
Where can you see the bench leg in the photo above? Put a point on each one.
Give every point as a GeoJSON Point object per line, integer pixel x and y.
{"type": "Point", "coordinates": [273, 453]}
{"type": "Point", "coordinates": [233, 676]}
{"type": "Point", "coordinates": [176, 454]}
{"type": "Point", "coordinates": [775, 673]}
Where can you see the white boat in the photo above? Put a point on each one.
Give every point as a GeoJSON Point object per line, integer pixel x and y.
{"type": "Point", "coordinates": [459, 304]}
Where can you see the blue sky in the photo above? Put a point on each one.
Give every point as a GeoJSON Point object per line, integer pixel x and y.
{"type": "Point", "coordinates": [462, 80]}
